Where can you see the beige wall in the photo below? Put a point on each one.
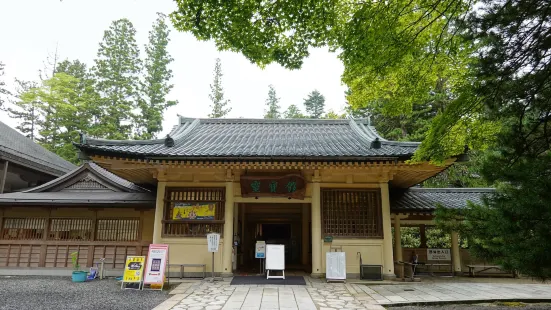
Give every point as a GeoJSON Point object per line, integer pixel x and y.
{"type": "Point", "coordinates": [370, 249]}
{"type": "Point", "coordinates": [193, 251]}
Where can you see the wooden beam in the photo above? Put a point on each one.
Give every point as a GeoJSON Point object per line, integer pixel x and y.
{"type": "Point", "coordinates": [3, 176]}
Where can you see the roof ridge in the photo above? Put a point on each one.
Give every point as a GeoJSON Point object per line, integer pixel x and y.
{"type": "Point", "coordinates": [266, 120]}
{"type": "Point", "coordinates": [451, 189]}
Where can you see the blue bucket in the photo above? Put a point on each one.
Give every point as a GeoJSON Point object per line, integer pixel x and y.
{"type": "Point", "coordinates": [79, 276]}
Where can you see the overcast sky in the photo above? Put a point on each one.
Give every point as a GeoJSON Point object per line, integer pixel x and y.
{"type": "Point", "coordinates": [31, 29]}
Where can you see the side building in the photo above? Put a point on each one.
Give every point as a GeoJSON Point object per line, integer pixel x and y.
{"type": "Point", "coordinates": [25, 164]}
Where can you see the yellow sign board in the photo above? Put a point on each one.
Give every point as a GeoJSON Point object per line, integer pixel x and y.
{"type": "Point", "coordinates": [195, 211]}
{"type": "Point", "coordinates": [133, 269]}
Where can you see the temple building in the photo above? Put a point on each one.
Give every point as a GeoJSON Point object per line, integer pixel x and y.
{"type": "Point", "coordinates": [313, 185]}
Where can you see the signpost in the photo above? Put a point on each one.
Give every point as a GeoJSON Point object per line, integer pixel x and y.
{"type": "Point", "coordinates": [260, 252]}
{"type": "Point", "coordinates": [156, 267]}
{"type": "Point", "coordinates": [438, 254]}
{"type": "Point", "coordinates": [213, 242]}
{"type": "Point", "coordinates": [335, 266]}
{"type": "Point", "coordinates": [133, 271]}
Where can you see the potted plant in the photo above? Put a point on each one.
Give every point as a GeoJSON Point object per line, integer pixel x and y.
{"type": "Point", "coordinates": [78, 275]}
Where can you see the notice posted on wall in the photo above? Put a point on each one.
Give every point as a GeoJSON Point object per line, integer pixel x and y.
{"type": "Point", "coordinates": [439, 254]}
{"type": "Point", "coordinates": [156, 264]}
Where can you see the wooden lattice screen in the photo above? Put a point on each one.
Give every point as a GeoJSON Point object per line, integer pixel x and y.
{"type": "Point", "coordinates": [189, 224]}
{"type": "Point", "coordinates": [351, 213]}
{"type": "Point", "coordinates": [118, 229]}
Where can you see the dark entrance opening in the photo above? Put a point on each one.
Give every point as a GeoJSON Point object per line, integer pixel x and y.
{"type": "Point", "coordinates": [274, 224]}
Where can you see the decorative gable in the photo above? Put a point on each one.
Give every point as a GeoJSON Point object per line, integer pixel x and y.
{"type": "Point", "coordinates": [87, 184]}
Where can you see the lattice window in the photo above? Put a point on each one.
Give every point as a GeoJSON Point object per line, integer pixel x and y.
{"type": "Point", "coordinates": [193, 211]}
{"type": "Point", "coordinates": [351, 213]}
{"type": "Point", "coordinates": [70, 229]}
{"type": "Point", "coordinates": [118, 229]}
{"type": "Point", "coordinates": [23, 228]}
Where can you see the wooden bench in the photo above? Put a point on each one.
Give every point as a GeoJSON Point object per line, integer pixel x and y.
{"type": "Point", "coordinates": [182, 266]}
{"type": "Point", "coordinates": [472, 269]}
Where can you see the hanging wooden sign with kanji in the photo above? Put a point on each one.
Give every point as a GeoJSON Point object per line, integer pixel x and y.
{"type": "Point", "coordinates": [291, 186]}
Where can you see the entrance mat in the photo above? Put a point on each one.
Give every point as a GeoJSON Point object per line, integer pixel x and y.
{"type": "Point", "coordinates": [260, 280]}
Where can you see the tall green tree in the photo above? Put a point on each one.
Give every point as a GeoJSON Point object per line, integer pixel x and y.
{"type": "Point", "coordinates": [272, 104]}
{"type": "Point", "coordinates": [293, 112]}
{"type": "Point", "coordinates": [156, 85]}
{"type": "Point", "coordinates": [219, 104]}
{"type": "Point", "coordinates": [3, 90]}
{"type": "Point", "coordinates": [333, 115]}
{"type": "Point", "coordinates": [116, 71]}
{"type": "Point", "coordinates": [513, 83]}
{"type": "Point", "coordinates": [26, 109]}
{"type": "Point", "coordinates": [64, 114]}
{"type": "Point", "coordinates": [90, 103]}
{"type": "Point", "coordinates": [314, 104]}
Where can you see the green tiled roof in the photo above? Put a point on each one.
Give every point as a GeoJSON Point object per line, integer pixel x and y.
{"type": "Point", "coordinates": [260, 139]}
{"type": "Point", "coordinates": [426, 199]}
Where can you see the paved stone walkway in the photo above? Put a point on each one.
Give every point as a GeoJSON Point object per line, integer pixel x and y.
{"type": "Point", "coordinates": [204, 295]}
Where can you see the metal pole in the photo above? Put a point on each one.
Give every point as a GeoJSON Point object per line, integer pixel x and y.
{"type": "Point", "coordinates": [213, 267]}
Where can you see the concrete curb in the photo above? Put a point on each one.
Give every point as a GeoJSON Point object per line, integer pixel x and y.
{"type": "Point", "coordinates": [468, 302]}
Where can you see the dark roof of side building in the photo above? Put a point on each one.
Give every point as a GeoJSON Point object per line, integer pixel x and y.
{"type": "Point", "coordinates": [259, 139]}
{"type": "Point", "coordinates": [21, 150]}
{"type": "Point", "coordinates": [427, 199]}
{"type": "Point", "coordinates": [88, 184]}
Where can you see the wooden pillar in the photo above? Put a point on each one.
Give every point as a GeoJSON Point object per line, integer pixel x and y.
{"type": "Point", "coordinates": [316, 230]}
{"type": "Point", "coordinates": [228, 231]}
{"type": "Point", "coordinates": [456, 257]}
{"type": "Point", "coordinates": [305, 245]}
{"type": "Point", "coordinates": [235, 233]}
{"type": "Point", "coordinates": [159, 213]}
{"type": "Point", "coordinates": [91, 248]}
{"type": "Point", "coordinates": [388, 263]}
{"type": "Point", "coordinates": [244, 242]}
{"type": "Point", "coordinates": [423, 233]}
{"type": "Point", "coordinates": [397, 240]}
{"type": "Point", "coordinates": [44, 247]}
{"type": "Point", "coordinates": [3, 176]}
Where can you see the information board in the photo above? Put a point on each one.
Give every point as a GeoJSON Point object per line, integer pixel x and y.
{"type": "Point", "coordinates": [133, 269]}
{"type": "Point", "coordinates": [335, 266]}
{"type": "Point", "coordinates": [275, 257]}
{"type": "Point", "coordinates": [439, 254]}
{"type": "Point", "coordinates": [213, 240]}
{"type": "Point", "coordinates": [156, 264]}
{"type": "Point", "coordinates": [260, 249]}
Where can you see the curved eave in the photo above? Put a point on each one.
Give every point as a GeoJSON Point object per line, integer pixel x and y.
{"type": "Point", "coordinates": [152, 157]}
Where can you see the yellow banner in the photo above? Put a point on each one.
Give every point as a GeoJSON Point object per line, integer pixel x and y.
{"type": "Point", "coordinates": [133, 269]}
{"type": "Point", "coordinates": [196, 211]}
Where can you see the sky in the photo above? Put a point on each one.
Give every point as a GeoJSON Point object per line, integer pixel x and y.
{"type": "Point", "coordinates": [30, 30]}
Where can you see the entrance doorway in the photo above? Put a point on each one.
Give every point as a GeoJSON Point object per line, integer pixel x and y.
{"type": "Point", "coordinates": [274, 224]}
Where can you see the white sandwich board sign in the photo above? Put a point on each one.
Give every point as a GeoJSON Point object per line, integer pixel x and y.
{"type": "Point", "coordinates": [335, 266]}
{"type": "Point", "coordinates": [275, 260]}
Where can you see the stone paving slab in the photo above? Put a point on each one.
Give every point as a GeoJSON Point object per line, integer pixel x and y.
{"type": "Point", "coordinates": [204, 295]}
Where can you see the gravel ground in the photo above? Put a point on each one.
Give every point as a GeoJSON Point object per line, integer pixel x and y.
{"type": "Point", "coordinates": [61, 293]}
{"type": "Point", "coordinates": [488, 306]}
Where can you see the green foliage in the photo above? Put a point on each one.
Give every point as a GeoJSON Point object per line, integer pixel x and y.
{"type": "Point", "coordinates": [272, 102]}
{"type": "Point", "coordinates": [513, 83]}
{"type": "Point", "coordinates": [74, 261]}
{"type": "Point", "coordinates": [333, 115]}
{"type": "Point", "coordinates": [116, 72]}
{"type": "Point", "coordinates": [465, 174]}
{"type": "Point", "coordinates": [314, 104]}
{"type": "Point", "coordinates": [156, 85]}
{"type": "Point", "coordinates": [217, 94]}
{"type": "Point", "coordinates": [293, 112]}
{"type": "Point", "coordinates": [26, 109]}
{"type": "Point", "coordinates": [64, 113]}
{"type": "Point", "coordinates": [404, 61]}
